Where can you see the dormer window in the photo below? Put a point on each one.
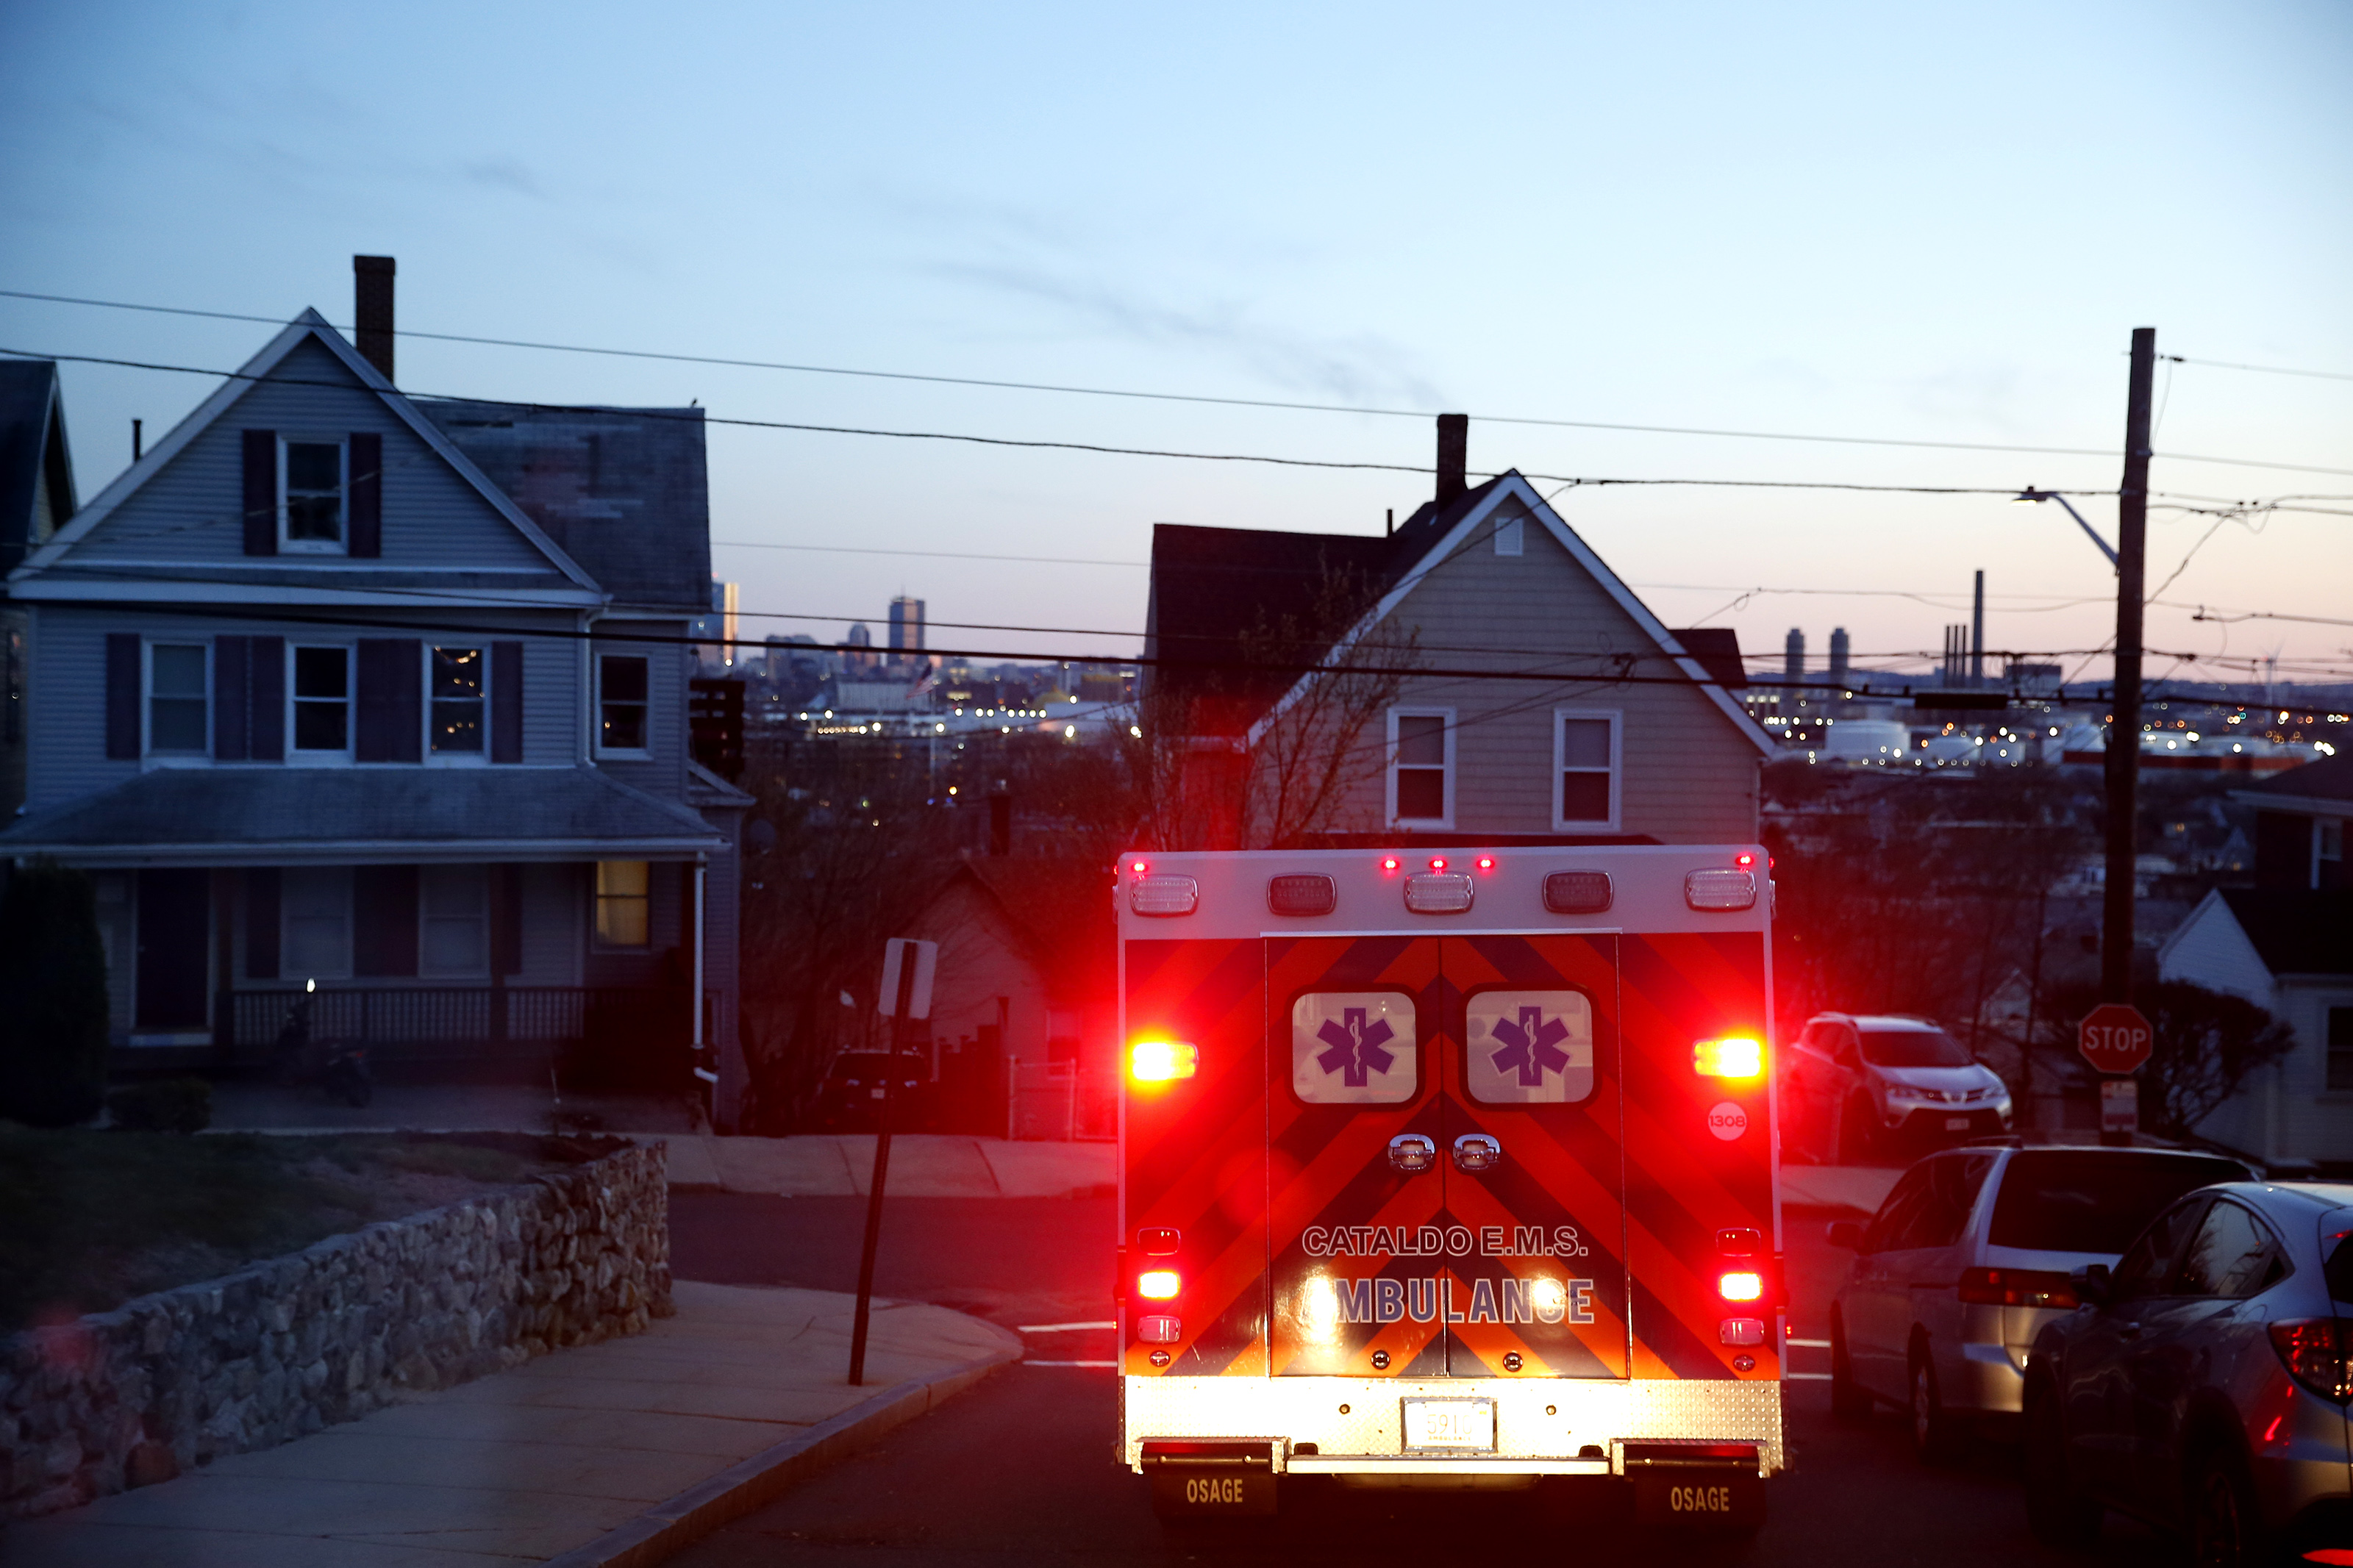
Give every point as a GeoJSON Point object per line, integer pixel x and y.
{"type": "Point", "coordinates": [312, 478]}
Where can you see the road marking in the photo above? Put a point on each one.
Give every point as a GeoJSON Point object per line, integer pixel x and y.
{"type": "Point", "coordinates": [1061, 1328]}
{"type": "Point", "coordinates": [1106, 1363]}
{"type": "Point", "coordinates": [1805, 1377]}
{"type": "Point", "coordinates": [1809, 1344]}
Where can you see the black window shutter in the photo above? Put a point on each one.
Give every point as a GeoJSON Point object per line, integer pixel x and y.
{"type": "Point", "coordinates": [261, 492]}
{"type": "Point", "coordinates": [506, 920]}
{"type": "Point", "coordinates": [366, 455]}
{"type": "Point", "coordinates": [266, 682]}
{"type": "Point", "coordinates": [122, 694]}
{"type": "Point", "coordinates": [229, 699]}
{"type": "Point", "coordinates": [261, 923]}
{"type": "Point", "coordinates": [384, 920]}
{"type": "Point", "coordinates": [506, 702]}
{"type": "Point", "coordinates": [391, 700]}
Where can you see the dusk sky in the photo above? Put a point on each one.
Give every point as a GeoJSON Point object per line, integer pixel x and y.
{"type": "Point", "coordinates": [1923, 223]}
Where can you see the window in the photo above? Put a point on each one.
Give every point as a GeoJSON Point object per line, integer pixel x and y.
{"type": "Point", "coordinates": [454, 904]}
{"type": "Point", "coordinates": [310, 481]}
{"type": "Point", "coordinates": [323, 699]}
{"type": "Point", "coordinates": [2093, 1200]}
{"type": "Point", "coordinates": [621, 689]}
{"type": "Point", "coordinates": [2231, 1256]}
{"type": "Point", "coordinates": [1528, 1048]}
{"type": "Point", "coordinates": [1510, 536]}
{"type": "Point", "coordinates": [2340, 1048]}
{"type": "Point", "coordinates": [1585, 756]}
{"type": "Point", "coordinates": [621, 901]}
{"type": "Point", "coordinates": [1354, 1047]}
{"type": "Point", "coordinates": [1423, 746]}
{"type": "Point", "coordinates": [456, 683]}
{"type": "Point", "coordinates": [1897, 1215]}
{"type": "Point", "coordinates": [315, 922]}
{"type": "Point", "coordinates": [2146, 1266]}
{"type": "Point", "coordinates": [1941, 1211]}
{"type": "Point", "coordinates": [178, 708]}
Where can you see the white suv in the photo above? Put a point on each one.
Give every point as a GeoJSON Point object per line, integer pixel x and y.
{"type": "Point", "coordinates": [1855, 1085]}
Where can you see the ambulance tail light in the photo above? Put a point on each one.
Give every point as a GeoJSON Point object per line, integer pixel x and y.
{"type": "Point", "coordinates": [1740, 1284]}
{"type": "Point", "coordinates": [1158, 1329]}
{"type": "Point", "coordinates": [1158, 1284]}
{"type": "Point", "coordinates": [1735, 1058]}
{"type": "Point", "coordinates": [1163, 1062]}
{"type": "Point", "coordinates": [1164, 895]}
{"type": "Point", "coordinates": [1720, 888]}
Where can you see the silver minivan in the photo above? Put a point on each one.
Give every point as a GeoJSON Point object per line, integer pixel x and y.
{"type": "Point", "coordinates": [1968, 1258]}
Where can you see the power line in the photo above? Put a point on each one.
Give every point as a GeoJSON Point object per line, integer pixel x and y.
{"type": "Point", "coordinates": [1133, 394]}
{"type": "Point", "coordinates": [2265, 369]}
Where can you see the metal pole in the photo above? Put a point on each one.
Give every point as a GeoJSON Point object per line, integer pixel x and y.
{"type": "Point", "coordinates": [906, 999]}
{"type": "Point", "coordinates": [2123, 724]}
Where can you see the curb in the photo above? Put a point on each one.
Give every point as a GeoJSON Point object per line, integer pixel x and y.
{"type": "Point", "coordinates": [676, 1523]}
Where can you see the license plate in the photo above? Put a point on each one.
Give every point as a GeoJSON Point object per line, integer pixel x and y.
{"type": "Point", "coordinates": [1956, 1124]}
{"type": "Point", "coordinates": [1450, 1425]}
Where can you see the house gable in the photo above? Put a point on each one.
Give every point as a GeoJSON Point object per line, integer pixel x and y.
{"type": "Point", "coordinates": [2210, 949]}
{"type": "Point", "coordinates": [178, 516]}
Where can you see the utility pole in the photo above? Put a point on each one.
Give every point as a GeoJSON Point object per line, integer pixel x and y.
{"type": "Point", "coordinates": [2123, 724]}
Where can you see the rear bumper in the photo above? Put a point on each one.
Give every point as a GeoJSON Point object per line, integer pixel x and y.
{"type": "Point", "coordinates": [1352, 1426]}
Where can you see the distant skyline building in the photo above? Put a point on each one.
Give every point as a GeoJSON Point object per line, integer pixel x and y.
{"type": "Point", "coordinates": [1793, 661]}
{"type": "Point", "coordinates": [1840, 650]}
{"type": "Point", "coordinates": [906, 625]}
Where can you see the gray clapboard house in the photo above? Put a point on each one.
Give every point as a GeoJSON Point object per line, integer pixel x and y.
{"type": "Point", "coordinates": [333, 685]}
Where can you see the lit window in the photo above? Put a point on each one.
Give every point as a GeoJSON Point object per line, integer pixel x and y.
{"type": "Point", "coordinates": [323, 699]}
{"type": "Point", "coordinates": [621, 687]}
{"type": "Point", "coordinates": [457, 688]}
{"type": "Point", "coordinates": [177, 705]}
{"type": "Point", "coordinates": [455, 906]}
{"type": "Point", "coordinates": [312, 484]}
{"type": "Point", "coordinates": [1585, 754]}
{"type": "Point", "coordinates": [621, 903]}
{"type": "Point", "coordinates": [1422, 745]}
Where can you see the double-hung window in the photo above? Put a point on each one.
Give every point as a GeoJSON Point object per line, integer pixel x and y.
{"type": "Point", "coordinates": [312, 484]}
{"type": "Point", "coordinates": [456, 679]}
{"type": "Point", "coordinates": [623, 903]}
{"type": "Point", "coordinates": [1585, 751]}
{"type": "Point", "coordinates": [622, 687]}
{"type": "Point", "coordinates": [2339, 1043]}
{"type": "Point", "coordinates": [322, 701]}
{"type": "Point", "coordinates": [178, 699]}
{"type": "Point", "coordinates": [1421, 766]}
{"type": "Point", "coordinates": [454, 907]}
{"type": "Point", "coordinates": [315, 922]}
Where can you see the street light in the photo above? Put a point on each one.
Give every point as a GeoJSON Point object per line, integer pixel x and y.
{"type": "Point", "coordinates": [2030, 495]}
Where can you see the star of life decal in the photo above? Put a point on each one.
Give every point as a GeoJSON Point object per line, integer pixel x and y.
{"type": "Point", "coordinates": [1529, 1047]}
{"type": "Point", "coordinates": [1354, 1047]}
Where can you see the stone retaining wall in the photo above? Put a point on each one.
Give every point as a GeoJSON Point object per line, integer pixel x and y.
{"type": "Point", "coordinates": [285, 1347]}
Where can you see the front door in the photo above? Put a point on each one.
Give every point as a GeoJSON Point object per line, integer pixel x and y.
{"type": "Point", "coordinates": [174, 929]}
{"type": "Point", "coordinates": [1447, 1181]}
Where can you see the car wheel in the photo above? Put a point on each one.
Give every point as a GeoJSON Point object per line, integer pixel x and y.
{"type": "Point", "coordinates": [2056, 1512]}
{"type": "Point", "coordinates": [1936, 1434]}
{"type": "Point", "coordinates": [2225, 1522]}
{"type": "Point", "coordinates": [1849, 1400]}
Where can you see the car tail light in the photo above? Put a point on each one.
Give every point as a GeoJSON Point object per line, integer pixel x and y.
{"type": "Point", "coordinates": [1735, 1058]}
{"type": "Point", "coordinates": [1163, 1062]}
{"type": "Point", "coordinates": [1156, 1330]}
{"type": "Point", "coordinates": [1439, 893]}
{"type": "Point", "coordinates": [1158, 1284]}
{"type": "Point", "coordinates": [1164, 895]}
{"type": "Point", "coordinates": [1305, 895]}
{"type": "Point", "coordinates": [1577, 892]}
{"type": "Point", "coordinates": [1720, 888]}
{"type": "Point", "coordinates": [1740, 1284]}
{"type": "Point", "coordinates": [2017, 1287]}
{"type": "Point", "coordinates": [2314, 1354]}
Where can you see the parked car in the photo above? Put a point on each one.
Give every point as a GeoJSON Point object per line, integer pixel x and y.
{"type": "Point", "coordinates": [850, 1098]}
{"type": "Point", "coordinates": [2202, 1383]}
{"type": "Point", "coordinates": [1859, 1085]}
{"type": "Point", "coordinates": [1970, 1256]}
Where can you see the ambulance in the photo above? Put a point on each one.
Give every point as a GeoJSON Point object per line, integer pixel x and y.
{"type": "Point", "coordinates": [1449, 1168]}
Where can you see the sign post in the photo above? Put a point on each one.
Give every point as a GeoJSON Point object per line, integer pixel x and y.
{"type": "Point", "coordinates": [2116, 1038]}
{"type": "Point", "coordinates": [908, 966]}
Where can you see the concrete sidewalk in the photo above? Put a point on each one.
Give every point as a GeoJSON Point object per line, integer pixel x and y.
{"type": "Point", "coordinates": [922, 1165]}
{"type": "Point", "coordinates": [612, 1454]}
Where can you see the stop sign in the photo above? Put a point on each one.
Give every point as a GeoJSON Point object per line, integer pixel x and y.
{"type": "Point", "coordinates": [2114, 1038]}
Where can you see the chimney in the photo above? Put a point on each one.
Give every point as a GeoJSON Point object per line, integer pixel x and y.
{"type": "Point", "coordinates": [1453, 456]}
{"type": "Point", "coordinates": [372, 310]}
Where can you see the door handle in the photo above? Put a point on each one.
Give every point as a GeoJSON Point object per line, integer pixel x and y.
{"type": "Point", "coordinates": [1411, 1151]}
{"type": "Point", "coordinates": [1476, 1151]}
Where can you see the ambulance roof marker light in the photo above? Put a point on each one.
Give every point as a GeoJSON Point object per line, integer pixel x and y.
{"type": "Point", "coordinates": [1438, 862]}
{"type": "Point", "coordinates": [1390, 865]}
{"type": "Point", "coordinates": [1486, 862]}
{"type": "Point", "coordinates": [1141, 868]}
{"type": "Point", "coordinates": [1744, 860]}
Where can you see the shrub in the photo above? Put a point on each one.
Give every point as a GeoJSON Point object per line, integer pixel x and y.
{"type": "Point", "coordinates": [53, 975]}
{"type": "Point", "coordinates": [163, 1105]}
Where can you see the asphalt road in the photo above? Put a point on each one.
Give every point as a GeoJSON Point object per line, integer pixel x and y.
{"type": "Point", "coordinates": [1021, 1468]}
